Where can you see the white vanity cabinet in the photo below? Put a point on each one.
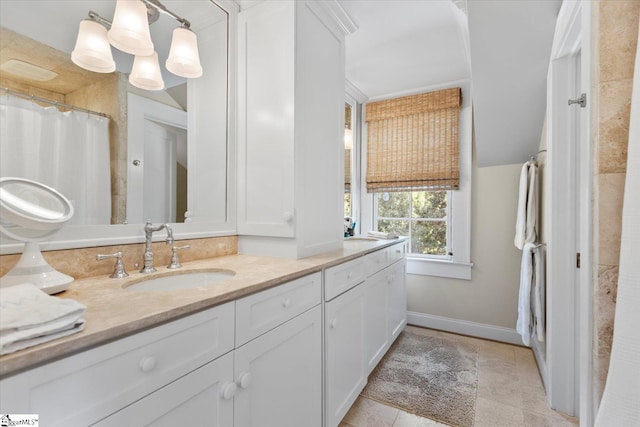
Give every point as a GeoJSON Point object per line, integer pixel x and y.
{"type": "Point", "coordinates": [203, 397]}
{"type": "Point", "coordinates": [278, 359]}
{"type": "Point", "coordinates": [83, 389]}
{"type": "Point", "coordinates": [256, 361]}
{"type": "Point", "coordinates": [386, 301]}
{"type": "Point", "coordinates": [290, 128]}
{"type": "Point", "coordinates": [365, 310]}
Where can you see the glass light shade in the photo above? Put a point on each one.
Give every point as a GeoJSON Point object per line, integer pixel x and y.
{"type": "Point", "coordinates": [130, 28]}
{"type": "Point", "coordinates": [146, 74]}
{"type": "Point", "coordinates": [184, 59]}
{"type": "Point", "coordinates": [348, 139]}
{"type": "Point", "coordinates": [92, 51]}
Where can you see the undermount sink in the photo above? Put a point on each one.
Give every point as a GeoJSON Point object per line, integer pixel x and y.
{"type": "Point", "coordinates": [175, 280]}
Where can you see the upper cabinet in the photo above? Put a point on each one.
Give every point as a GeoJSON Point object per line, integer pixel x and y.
{"type": "Point", "coordinates": [291, 79]}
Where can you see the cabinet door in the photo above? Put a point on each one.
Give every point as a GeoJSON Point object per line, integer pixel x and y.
{"type": "Point", "coordinates": [202, 398]}
{"type": "Point", "coordinates": [265, 119]}
{"type": "Point", "coordinates": [279, 375]}
{"type": "Point", "coordinates": [397, 296]}
{"type": "Point", "coordinates": [376, 328]}
{"type": "Point", "coordinates": [345, 374]}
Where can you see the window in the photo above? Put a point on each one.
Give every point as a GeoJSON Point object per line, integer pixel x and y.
{"type": "Point", "coordinates": [436, 215]}
{"type": "Point", "coordinates": [348, 158]}
{"type": "Point", "coordinates": [421, 215]}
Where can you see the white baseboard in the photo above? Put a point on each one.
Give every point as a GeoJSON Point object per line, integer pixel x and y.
{"type": "Point", "coordinates": [463, 327]}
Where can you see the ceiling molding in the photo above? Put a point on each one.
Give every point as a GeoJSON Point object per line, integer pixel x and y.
{"type": "Point", "coordinates": [341, 17]}
{"type": "Point", "coordinates": [353, 91]}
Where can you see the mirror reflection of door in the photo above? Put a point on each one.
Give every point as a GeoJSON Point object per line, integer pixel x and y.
{"type": "Point", "coordinates": [157, 162]}
{"type": "Point", "coordinates": [164, 172]}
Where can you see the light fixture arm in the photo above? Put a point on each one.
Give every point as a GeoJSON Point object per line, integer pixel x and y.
{"type": "Point", "coordinates": [163, 9]}
{"type": "Point", "coordinates": [153, 3]}
{"type": "Point", "coordinates": [99, 19]}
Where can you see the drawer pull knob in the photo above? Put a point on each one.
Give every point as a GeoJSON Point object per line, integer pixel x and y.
{"type": "Point", "coordinates": [288, 217]}
{"type": "Point", "coordinates": [244, 380]}
{"type": "Point", "coordinates": [333, 323]}
{"type": "Point", "coordinates": [286, 303]}
{"type": "Point", "coordinates": [228, 391]}
{"type": "Point", "coordinates": [147, 364]}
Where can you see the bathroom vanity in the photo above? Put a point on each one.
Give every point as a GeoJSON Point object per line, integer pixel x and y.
{"type": "Point", "coordinates": [281, 343]}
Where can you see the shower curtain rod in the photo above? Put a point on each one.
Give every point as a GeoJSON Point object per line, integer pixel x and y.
{"type": "Point", "coordinates": [49, 101]}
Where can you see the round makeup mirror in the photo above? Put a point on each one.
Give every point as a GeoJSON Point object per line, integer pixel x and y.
{"type": "Point", "coordinates": [31, 212]}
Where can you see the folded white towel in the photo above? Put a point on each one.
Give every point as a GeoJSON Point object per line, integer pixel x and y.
{"type": "Point", "coordinates": [382, 235]}
{"type": "Point", "coordinates": [29, 317]}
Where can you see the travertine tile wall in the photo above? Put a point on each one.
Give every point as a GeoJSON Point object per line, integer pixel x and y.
{"type": "Point", "coordinates": [81, 263]}
{"type": "Point", "coordinates": [614, 39]}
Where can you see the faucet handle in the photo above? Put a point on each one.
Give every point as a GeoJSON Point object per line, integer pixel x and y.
{"type": "Point", "coordinates": [174, 256]}
{"type": "Point", "coordinates": [118, 269]}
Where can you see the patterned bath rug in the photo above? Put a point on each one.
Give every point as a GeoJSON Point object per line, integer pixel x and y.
{"type": "Point", "coordinates": [435, 378]}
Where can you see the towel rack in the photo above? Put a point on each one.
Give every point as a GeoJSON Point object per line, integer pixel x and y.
{"type": "Point", "coordinates": [539, 245]}
{"type": "Point", "coordinates": [534, 158]}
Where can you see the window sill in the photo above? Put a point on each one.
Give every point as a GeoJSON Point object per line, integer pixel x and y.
{"type": "Point", "coordinates": [439, 268]}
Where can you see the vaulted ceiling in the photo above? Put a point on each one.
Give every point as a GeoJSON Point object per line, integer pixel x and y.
{"type": "Point", "coordinates": [502, 46]}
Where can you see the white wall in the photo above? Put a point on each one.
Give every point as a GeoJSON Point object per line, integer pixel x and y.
{"type": "Point", "coordinates": [490, 297]}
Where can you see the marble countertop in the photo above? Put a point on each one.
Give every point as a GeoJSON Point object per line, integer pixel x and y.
{"type": "Point", "coordinates": [113, 312]}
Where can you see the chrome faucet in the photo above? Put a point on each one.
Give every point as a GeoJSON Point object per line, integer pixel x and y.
{"type": "Point", "coordinates": [148, 251]}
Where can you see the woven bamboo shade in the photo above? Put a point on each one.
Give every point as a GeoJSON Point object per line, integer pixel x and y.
{"type": "Point", "coordinates": [412, 142]}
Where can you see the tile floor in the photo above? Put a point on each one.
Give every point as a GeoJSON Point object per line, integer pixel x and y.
{"type": "Point", "coordinates": [510, 393]}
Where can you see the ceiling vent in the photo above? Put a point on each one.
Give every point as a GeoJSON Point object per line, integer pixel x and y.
{"type": "Point", "coordinates": [27, 71]}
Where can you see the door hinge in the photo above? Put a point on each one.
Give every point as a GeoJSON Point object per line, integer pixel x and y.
{"type": "Point", "coordinates": [578, 260]}
{"type": "Point", "coordinates": [582, 100]}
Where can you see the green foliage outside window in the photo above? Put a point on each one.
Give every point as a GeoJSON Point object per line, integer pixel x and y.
{"type": "Point", "coordinates": [421, 215]}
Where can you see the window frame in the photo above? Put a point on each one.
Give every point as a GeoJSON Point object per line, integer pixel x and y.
{"type": "Point", "coordinates": [446, 218]}
{"type": "Point", "coordinates": [459, 266]}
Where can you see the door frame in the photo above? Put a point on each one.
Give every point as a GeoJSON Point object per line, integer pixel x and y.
{"type": "Point", "coordinates": [570, 317]}
{"type": "Point", "coordinates": [139, 110]}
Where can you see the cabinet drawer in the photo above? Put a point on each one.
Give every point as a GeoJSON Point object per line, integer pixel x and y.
{"type": "Point", "coordinates": [396, 252]}
{"type": "Point", "coordinates": [261, 312]}
{"type": "Point", "coordinates": [84, 388]}
{"type": "Point", "coordinates": [376, 261]}
{"type": "Point", "coordinates": [343, 277]}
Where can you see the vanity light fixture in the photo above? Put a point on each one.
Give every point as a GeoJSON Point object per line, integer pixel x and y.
{"type": "Point", "coordinates": [348, 138]}
{"type": "Point", "coordinates": [129, 32]}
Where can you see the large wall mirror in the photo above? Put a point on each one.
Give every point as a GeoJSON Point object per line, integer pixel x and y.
{"type": "Point", "coordinates": [165, 155]}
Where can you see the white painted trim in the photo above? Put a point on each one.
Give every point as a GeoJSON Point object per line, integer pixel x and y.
{"type": "Point", "coordinates": [569, 391]}
{"type": "Point", "coordinates": [541, 359]}
{"type": "Point", "coordinates": [354, 92]}
{"type": "Point", "coordinates": [463, 327]}
{"type": "Point", "coordinates": [585, 332]}
{"type": "Point", "coordinates": [439, 268]}
{"type": "Point", "coordinates": [340, 16]}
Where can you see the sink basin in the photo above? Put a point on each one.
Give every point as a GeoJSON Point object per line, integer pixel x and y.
{"type": "Point", "coordinates": [175, 280]}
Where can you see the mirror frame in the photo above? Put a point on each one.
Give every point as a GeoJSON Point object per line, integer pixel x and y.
{"type": "Point", "coordinates": [117, 234]}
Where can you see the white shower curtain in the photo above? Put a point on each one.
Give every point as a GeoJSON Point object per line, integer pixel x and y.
{"type": "Point", "coordinates": [620, 406]}
{"type": "Point", "coordinates": [68, 151]}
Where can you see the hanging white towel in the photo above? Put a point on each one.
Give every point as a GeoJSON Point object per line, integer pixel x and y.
{"type": "Point", "coordinates": [532, 204]}
{"type": "Point", "coordinates": [620, 405]}
{"type": "Point", "coordinates": [521, 216]}
{"type": "Point", "coordinates": [523, 325]}
{"type": "Point", "coordinates": [539, 292]}
{"type": "Point", "coordinates": [29, 317]}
